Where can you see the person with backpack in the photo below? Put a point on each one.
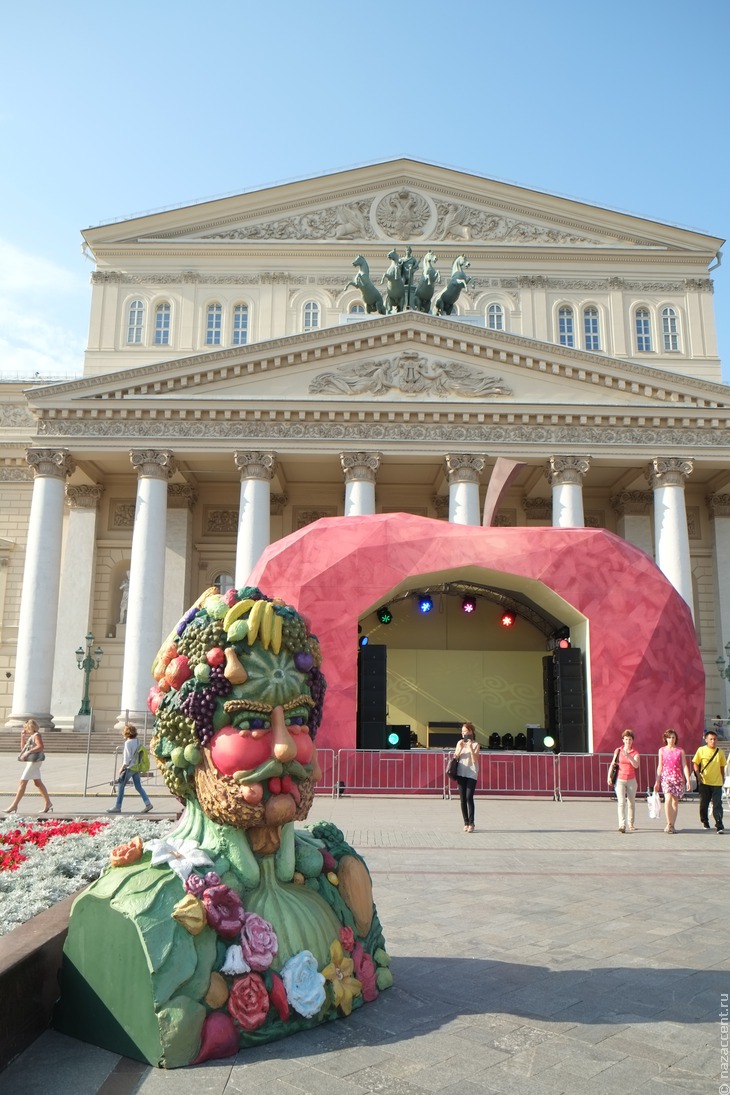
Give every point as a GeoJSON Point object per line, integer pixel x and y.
{"type": "Point", "coordinates": [134, 760]}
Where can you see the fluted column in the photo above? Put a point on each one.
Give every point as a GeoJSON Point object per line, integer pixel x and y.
{"type": "Point", "coordinates": [254, 515]}
{"type": "Point", "coordinates": [633, 511]}
{"type": "Point", "coordinates": [463, 471]}
{"type": "Point", "coordinates": [143, 633]}
{"type": "Point", "coordinates": [667, 478]}
{"type": "Point", "coordinates": [565, 476]}
{"type": "Point", "coordinates": [178, 553]}
{"type": "Point", "coordinates": [74, 603]}
{"type": "Point", "coordinates": [41, 582]}
{"type": "Point", "coordinates": [719, 507]}
{"type": "Point", "coordinates": [360, 470]}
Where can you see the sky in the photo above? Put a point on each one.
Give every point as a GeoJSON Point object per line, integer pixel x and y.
{"type": "Point", "coordinates": [110, 110]}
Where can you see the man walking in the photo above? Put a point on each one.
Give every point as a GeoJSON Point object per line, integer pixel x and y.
{"type": "Point", "coordinates": [709, 764]}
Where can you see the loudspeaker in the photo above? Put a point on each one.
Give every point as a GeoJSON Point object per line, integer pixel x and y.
{"type": "Point", "coordinates": [371, 691]}
{"type": "Point", "coordinates": [371, 735]}
{"type": "Point", "coordinates": [564, 696]}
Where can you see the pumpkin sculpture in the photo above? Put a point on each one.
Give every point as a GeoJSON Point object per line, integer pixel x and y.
{"type": "Point", "coordinates": [237, 928]}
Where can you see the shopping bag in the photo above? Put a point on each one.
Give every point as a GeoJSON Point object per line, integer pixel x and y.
{"type": "Point", "coordinates": [654, 803]}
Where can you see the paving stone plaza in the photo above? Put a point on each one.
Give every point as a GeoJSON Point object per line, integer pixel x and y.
{"type": "Point", "coordinates": [545, 953]}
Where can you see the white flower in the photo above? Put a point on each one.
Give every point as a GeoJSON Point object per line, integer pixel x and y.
{"type": "Point", "coordinates": [235, 963]}
{"type": "Point", "coordinates": [182, 856]}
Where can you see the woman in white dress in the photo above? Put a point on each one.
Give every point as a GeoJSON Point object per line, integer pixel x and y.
{"type": "Point", "coordinates": [31, 741]}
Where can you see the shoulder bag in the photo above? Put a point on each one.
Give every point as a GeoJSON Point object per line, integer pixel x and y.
{"type": "Point", "coordinates": [702, 767]}
{"type": "Point", "coordinates": [453, 768]}
{"type": "Point", "coordinates": [613, 770]}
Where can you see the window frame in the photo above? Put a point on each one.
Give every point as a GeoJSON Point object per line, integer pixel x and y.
{"type": "Point", "coordinates": [496, 309]}
{"type": "Point", "coordinates": [642, 314]}
{"type": "Point", "coordinates": [214, 310]}
{"type": "Point", "coordinates": [311, 308]}
{"type": "Point", "coordinates": [164, 308]}
{"type": "Point", "coordinates": [592, 311]}
{"type": "Point", "coordinates": [138, 307]}
{"type": "Point", "coordinates": [240, 309]}
{"type": "Point", "coordinates": [566, 334]}
{"type": "Point", "coordinates": [669, 318]}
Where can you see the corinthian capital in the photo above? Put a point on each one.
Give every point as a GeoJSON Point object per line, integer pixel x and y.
{"type": "Point", "coordinates": [632, 503]}
{"type": "Point", "coordinates": [84, 497]}
{"type": "Point", "coordinates": [462, 467]}
{"type": "Point", "coordinates": [560, 470]}
{"type": "Point", "coordinates": [255, 465]}
{"type": "Point", "coordinates": [668, 472]}
{"type": "Point", "coordinates": [718, 505]}
{"type": "Point", "coordinates": [360, 466]}
{"type": "Point", "coordinates": [153, 463]}
{"type": "Point", "coordinates": [181, 496]}
{"type": "Point", "coordinates": [52, 463]}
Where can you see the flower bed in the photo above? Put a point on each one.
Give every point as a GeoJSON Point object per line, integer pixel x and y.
{"type": "Point", "coordinates": [41, 862]}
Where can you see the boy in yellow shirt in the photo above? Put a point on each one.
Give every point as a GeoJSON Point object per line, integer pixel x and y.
{"type": "Point", "coordinates": [709, 764]}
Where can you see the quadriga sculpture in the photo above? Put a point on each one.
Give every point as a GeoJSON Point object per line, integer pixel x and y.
{"type": "Point", "coordinates": [236, 928]}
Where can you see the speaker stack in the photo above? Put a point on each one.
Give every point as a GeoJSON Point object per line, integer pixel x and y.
{"type": "Point", "coordinates": [371, 697]}
{"type": "Point", "coordinates": [564, 695]}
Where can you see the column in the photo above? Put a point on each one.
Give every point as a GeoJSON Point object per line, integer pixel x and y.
{"type": "Point", "coordinates": [360, 470]}
{"type": "Point", "coordinates": [565, 476]}
{"type": "Point", "coordinates": [143, 633]}
{"type": "Point", "coordinates": [74, 604]}
{"type": "Point", "coordinates": [666, 478]}
{"type": "Point", "coordinates": [178, 552]}
{"type": "Point", "coordinates": [463, 471]}
{"type": "Point", "coordinates": [633, 509]}
{"type": "Point", "coordinates": [719, 507]}
{"type": "Point", "coordinates": [41, 582]}
{"type": "Point", "coordinates": [254, 516]}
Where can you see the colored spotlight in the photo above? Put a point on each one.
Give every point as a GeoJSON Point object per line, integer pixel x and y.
{"type": "Point", "coordinates": [363, 640]}
{"type": "Point", "coordinates": [469, 605]}
{"type": "Point", "coordinates": [425, 603]}
{"type": "Point", "coordinates": [385, 615]}
{"type": "Point", "coordinates": [508, 618]}
{"type": "Point", "coordinates": [393, 739]}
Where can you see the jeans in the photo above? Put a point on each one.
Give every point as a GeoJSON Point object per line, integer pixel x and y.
{"type": "Point", "coordinates": [466, 793]}
{"type": "Point", "coordinates": [626, 795]}
{"type": "Point", "coordinates": [710, 794]}
{"type": "Point", "coordinates": [123, 781]}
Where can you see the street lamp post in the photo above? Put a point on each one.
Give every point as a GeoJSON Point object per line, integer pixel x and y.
{"type": "Point", "coordinates": [723, 666]}
{"type": "Point", "coordinates": [87, 661]}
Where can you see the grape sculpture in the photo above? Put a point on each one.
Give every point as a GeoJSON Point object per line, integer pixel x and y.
{"type": "Point", "coordinates": [238, 928]}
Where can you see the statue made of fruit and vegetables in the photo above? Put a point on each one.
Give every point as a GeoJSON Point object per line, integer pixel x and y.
{"type": "Point", "coordinates": [237, 928]}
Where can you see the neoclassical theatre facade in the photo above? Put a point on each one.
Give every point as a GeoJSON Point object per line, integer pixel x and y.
{"type": "Point", "coordinates": [378, 340]}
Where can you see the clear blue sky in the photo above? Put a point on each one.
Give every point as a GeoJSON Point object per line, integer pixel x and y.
{"type": "Point", "coordinates": [108, 110]}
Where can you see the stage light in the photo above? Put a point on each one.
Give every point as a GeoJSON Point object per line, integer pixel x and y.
{"type": "Point", "coordinates": [508, 618]}
{"type": "Point", "coordinates": [364, 640]}
{"type": "Point", "coordinates": [469, 605]}
{"type": "Point", "coordinates": [551, 742]}
{"type": "Point", "coordinates": [385, 615]}
{"type": "Point", "coordinates": [562, 639]}
{"type": "Point", "coordinates": [425, 603]}
{"type": "Point", "coordinates": [564, 644]}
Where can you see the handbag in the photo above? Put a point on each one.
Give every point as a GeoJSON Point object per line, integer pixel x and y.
{"type": "Point", "coordinates": [452, 768]}
{"type": "Point", "coordinates": [37, 754]}
{"type": "Point", "coordinates": [613, 770]}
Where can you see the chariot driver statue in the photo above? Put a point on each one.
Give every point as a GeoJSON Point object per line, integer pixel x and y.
{"type": "Point", "coordinates": [408, 266]}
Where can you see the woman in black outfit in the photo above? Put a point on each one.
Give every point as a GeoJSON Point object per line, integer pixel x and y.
{"type": "Point", "coordinates": [467, 753]}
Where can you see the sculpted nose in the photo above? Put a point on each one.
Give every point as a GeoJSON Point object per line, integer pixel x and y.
{"type": "Point", "coordinates": [283, 746]}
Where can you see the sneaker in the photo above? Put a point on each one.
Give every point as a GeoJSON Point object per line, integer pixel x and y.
{"type": "Point", "coordinates": [114, 810]}
{"type": "Point", "coordinates": [147, 808]}
{"type": "Point", "coordinates": [705, 825]}
{"type": "Point", "coordinates": [720, 831]}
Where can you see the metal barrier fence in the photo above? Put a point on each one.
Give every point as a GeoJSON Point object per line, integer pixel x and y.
{"type": "Point", "coordinates": [371, 772]}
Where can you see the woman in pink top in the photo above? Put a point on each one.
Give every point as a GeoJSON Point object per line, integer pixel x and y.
{"type": "Point", "coordinates": [672, 776]}
{"type": "Point", "coordinates": [628, 762]}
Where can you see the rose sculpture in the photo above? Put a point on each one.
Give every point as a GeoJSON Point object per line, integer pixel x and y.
{"type": "Point", "coordinates": [238, 927]}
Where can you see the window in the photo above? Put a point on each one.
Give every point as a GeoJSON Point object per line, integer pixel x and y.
{"type": "Point", "coordinates": [135, 323]}
{"type": "Point", "coordinates": [311, 315]}
{"type": "Point", "coordinates": [643, 330]}
{"type": "Point", "coordinates": [670, 331]}
{"type": "Point", "coordinates": [495, 317]}
{"type": "Point", "coordinates": [240, 325]}
{"type": "Point", "coordinates": [566, 326]}
{"type": "Point", "coordinates": [224, 582]}
{"type": "Point", "coordinates": [162, 325]}
{"type": "Point", "coordinates": [590, 329]}
{"type": "Point", "coordinates": [356, 308]}
{"type": "Point", "coordinates": [213, 328]}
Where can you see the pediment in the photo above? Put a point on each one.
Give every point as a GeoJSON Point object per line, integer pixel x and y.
{"type": "Point", "coordinates": [398, 361]}
{"type": "Point", "coordinates": [398, 202]}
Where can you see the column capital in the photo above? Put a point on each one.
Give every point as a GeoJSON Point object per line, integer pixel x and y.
{"type": "Point", "coordinates": [181, 496]}
{"type": "Point", "coordinates": [360, 466]}
{"type": "Point", "coordinates": [52, 463]}
{"type": "Point", "coordinates": [463, 467]}
{"type": "Point", "coordinates": [718, 505]}
{"type": "Point", "coordinates": [440, 503]}
{"type": "Point", "coordinates": [255, 465]}
{"type": "Point", "coordinates": [86, 496]}
{"type": "Point", "coordinates": [562, 470]}
{"type": "Point", "coordinates": [153, 463]}
{"type": "Point", "coordinates": [537, 508]}
{"type": "Point", "coordinates": [632, 503]}
{"type": "Point", "coordinates": [277, 503]}
{"type": "Point", "coordinates": [668, 471]}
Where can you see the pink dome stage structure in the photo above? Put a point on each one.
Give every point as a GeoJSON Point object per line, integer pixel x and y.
{"type": "Point", "coordinates": [643, 663]}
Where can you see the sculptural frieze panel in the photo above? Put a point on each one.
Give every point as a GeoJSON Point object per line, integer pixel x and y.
{"type": "Point", "coordinates": [219, 519]}
{"type": "Point", "coordinates": [410, 373]}
{"type": "Point", "coordinates": [348, 221]}
{"type": "Point", "coordinates": [15, 416]}
{"type": "Point", "coordinates": [403, 214]}
{"type": "Point", "coordinates": [121, 514]}
{"type": "Point", "coordinates": [463, 223]}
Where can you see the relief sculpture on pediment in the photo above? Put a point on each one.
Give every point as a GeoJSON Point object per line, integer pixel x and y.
{"type": "Point", "coordinates": [460, 222]}
{"type": "Point", "coordinates": [412, 374]}
{"type": "Point", "coordinates": [337, 222]}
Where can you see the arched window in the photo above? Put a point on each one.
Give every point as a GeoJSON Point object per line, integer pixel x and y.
{"type": "Point", "coordinates": [213, 326]}
{"type": "Point", "coordinates": [356, 308]}
{"type": "Point", "coordinates": [566, 326]}
{"type": "Point", "coordinates": [642, 326]}
{"type": "Point", "coordinates": [162, 325]}
{"type": "Point", "coordinates": [224, 582]}
{"type": "Point", "coordinates": [311, 315]}
{"type": "Point", "coordinates": [591, 337]}
{"type": "Point", "coordinates": [240, 325]}
{"type": "Point", "coordinates": [670, 330]}
{"type": "Point", "coordinates": [135, 323]}
{"type": "Point", "coordinates": [495, 317]}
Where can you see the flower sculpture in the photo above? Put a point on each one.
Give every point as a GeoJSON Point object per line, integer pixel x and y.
{"type": "Point", "coordinates": [247, 927]}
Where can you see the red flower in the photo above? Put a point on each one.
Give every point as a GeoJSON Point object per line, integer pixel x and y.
{"type": "Point", "coordinates": [347, 938]}
{"type": "Point", "coordinates": [225, 911]}
{"type": "Point", "coordinates": [10, 860]}
{"type": "Point", "coordinates": [365, 972]}
{"type": "Point", "coordinates": [249, 1001]}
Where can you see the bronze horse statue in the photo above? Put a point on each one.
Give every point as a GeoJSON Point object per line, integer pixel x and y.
{"type": "Point", "coordinates": [395, 296]}
{"type": "Point", "coordinates": [372, 298]}
{"type": "Point", "coordinates": [429, 280]}
{"type": "Point", "coordinates": [459, 280]}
